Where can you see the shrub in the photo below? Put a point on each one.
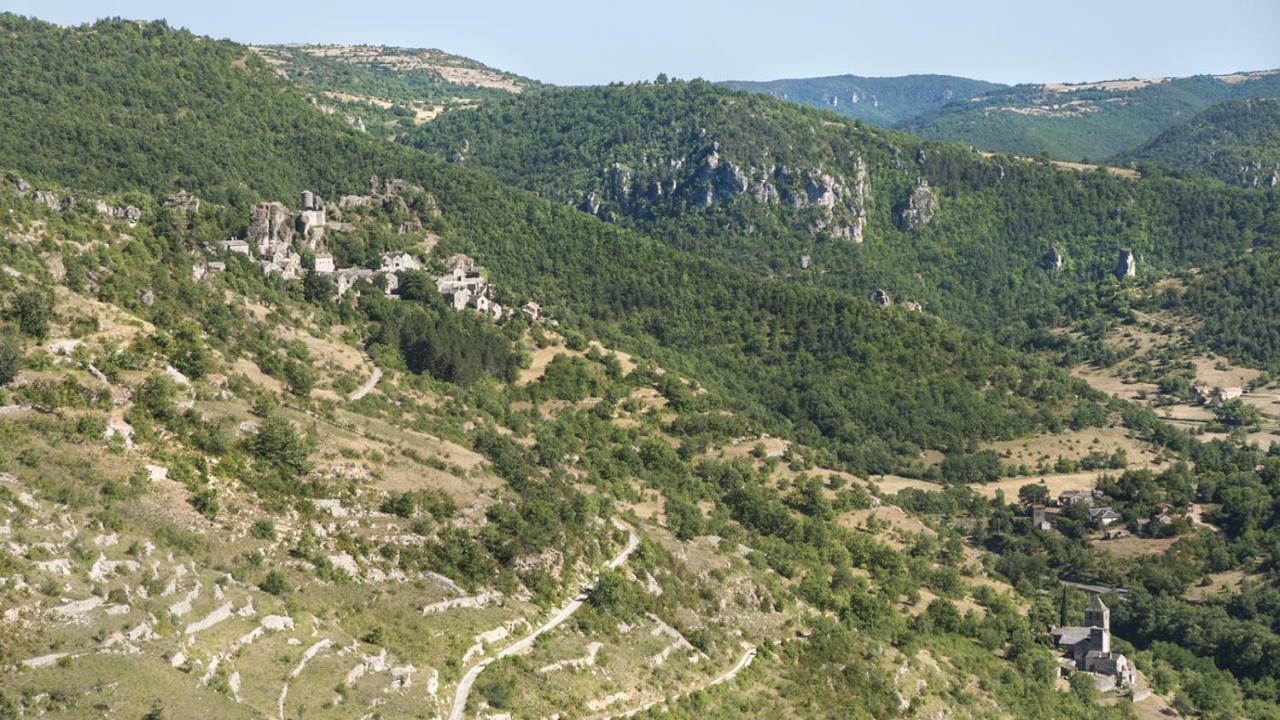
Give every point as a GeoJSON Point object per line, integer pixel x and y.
{"type": "Point", "coordinates": [263, 530]}
{"type": "Point", "coordinates": [275, 583]}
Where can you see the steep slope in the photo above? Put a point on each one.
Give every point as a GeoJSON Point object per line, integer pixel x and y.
{"type": "Point", "coordinates": [199, 519]}
{"type": "Point", "coordinates": [198, 522]}
{"type": "Point", "coordinates": [1237, 141]}
{"type": "Point", "coordinates": [206, 116]}
{"type": "Point", "coordinates": [835, 368]}
{"type": "Point", "coordinates": [1087, 120]}
{"type": "Point", "coordinates": [390, 89]}
{"type": "Point", "coordinates": [794, 192]}
{"type": "Point", "coordinates": [883, 101]}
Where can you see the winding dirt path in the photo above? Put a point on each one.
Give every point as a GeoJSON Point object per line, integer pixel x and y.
{"type": "Point", "coordinates": [526, 642]}
{"type": "Point", "coordinates": [726, 676]}
{"type": "Point", "coordinates": [368, 385]}
{"type": "Point", "coordinates": [297, 670]}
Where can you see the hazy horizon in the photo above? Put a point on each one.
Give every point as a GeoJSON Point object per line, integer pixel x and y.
{"type": "Point", "coordinates": [575, 43]}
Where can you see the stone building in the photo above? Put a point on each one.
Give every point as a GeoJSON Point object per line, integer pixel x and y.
{"type": "Point", "coordinates": [1089, 648]}
{"type": "Point", "coordinates": [399, 261]}
{"type": "Point", "coordinates": [311, 219]}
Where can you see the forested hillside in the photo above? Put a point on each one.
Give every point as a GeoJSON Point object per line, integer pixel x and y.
{"type": "Point", "coordinates": [833, 367]}
{"type": "Point", "coordinates": [1088, 120]}
{"type": "Point", "coordinates": [202, 115]}
{"type": "Point", "coordinates": [779, 435]}
{"type": "Point", "coordinates": [1237, 306]}
{"type": "Point", "coordinates": [883, 101]}
{"type": "Point", "coordinates": [1237, 141]}
{"type": "Point", "coordinates": [786, 191]}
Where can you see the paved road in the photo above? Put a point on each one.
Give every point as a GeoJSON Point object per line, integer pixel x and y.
{"type": "Point", "coordinates": [526, 642]}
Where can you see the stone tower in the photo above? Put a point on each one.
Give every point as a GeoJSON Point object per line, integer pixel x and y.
{"type": "Point", "coordinates": [1097, 614]}
{"type": "Point", "coordinates": [1099, 640]}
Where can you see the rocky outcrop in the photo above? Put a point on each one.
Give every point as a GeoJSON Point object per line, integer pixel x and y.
{"type": "Point", "coordinates": [270, 221]}
{"type": "Point", "coordinates": [831, 205]}
{"type": "Point", "coordinates": [128, 213]}
{"type": "Point", "coordinates": [881, 298]}
{"type": "Point", "coordinates": [355, 121]}
{"type": "Point", "coordinates": [918, 209]}
{"type": "Point", "coordinates": [1255, 174]}
{"type": "Point", "coordinates": [354, 201]}
{"type": "Point", "coordinates": [1054, 259]}
{"type": "Point", "coordinates": [57, 203]}
{"type": "Point", "coordinates": [844, 209]}
{"type": "Point", "coordinates": [1127, 267]}
{"type": "Point", "coordinates": [182, 201]}
{"type": "Point", "coordinates": [716, 180]}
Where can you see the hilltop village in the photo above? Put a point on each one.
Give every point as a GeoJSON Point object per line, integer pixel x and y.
{"type": "Point", "coordinates": [281, 241]}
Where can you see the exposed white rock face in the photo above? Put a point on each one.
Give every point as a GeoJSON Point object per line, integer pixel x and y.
{"type": "Point", "coordinates": [117, 427]}
{"type": "Point", "coordinates": [471, 601]}
{"type": "Point", "coordinates": [345, 563]}
{"type": "Point", "coordinates": [1054, 260]}
{"type": "Point", "coordinates": [128, 213]}
{"type": "Point", "coordinates": [183, 202]}
{"type": "Point", "coordinates": [711, 175]}
{"type": "Point", "coordinates": [271, 222]}
{"type": "Point", "coordinates": [844, 214]}
{"type": "Point", "coordinates": [1128, 265]}
{"type": "Point", "coordinates": [221, 613]}
{"type": "Point", "coordinates": [919, 207]}
{"type": "Point", "coordinates": [104, 568]}
{"type": "Point", "coordinates": [277, 622]}
{"type": "Point", "coordinates": [77, 608]}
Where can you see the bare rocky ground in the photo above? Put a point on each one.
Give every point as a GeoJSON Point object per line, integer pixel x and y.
{"type": "Point", "coordinates": [154, 601]}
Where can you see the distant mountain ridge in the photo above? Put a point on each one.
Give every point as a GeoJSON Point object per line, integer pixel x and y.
{"type": "Point", "coordinates": [1237, 141]}
{"type": "Point", "coordinates": [1084, 120]}
{"type": "Point", "coordinates": [788, 191]}
{"type": "Point", "coordinates": [880, 100]}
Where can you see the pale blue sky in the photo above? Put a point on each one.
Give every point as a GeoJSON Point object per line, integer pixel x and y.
{"type": "Point", "coordinates": [574, 42]}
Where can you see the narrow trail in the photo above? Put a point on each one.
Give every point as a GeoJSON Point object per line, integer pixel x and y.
{"type": "Point", "coordinates": [1154, 319]}
{"type": "Point", "coordinates": [368, 386]}
{"type": "Point", "coordinates": [726, 676]}
{"type": "Point", "coordinates": [297, 670]}
{"type": "Point", "coordinates": [526, 642]}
